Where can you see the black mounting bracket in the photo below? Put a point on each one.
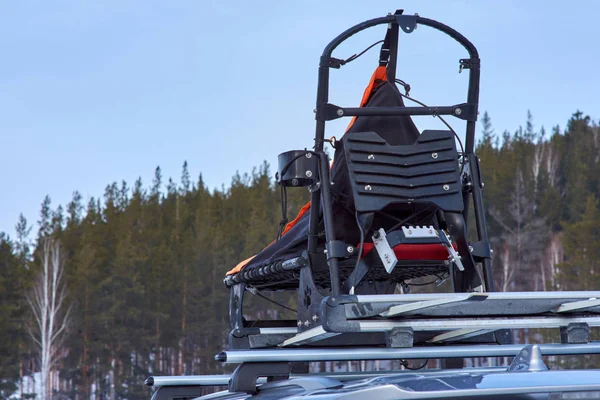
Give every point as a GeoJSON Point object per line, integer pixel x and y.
{"type": "Point", "coordinates": [468, 63]}
{"type": "Point", "coordinates": [466, 111]}
{"type": "Point", "coordinates": [408, 23]}
{"type": "Point", "coordinates": [245, 375]}
{"type": "Point", "coordinates": [578, 332]}
{"type": "Point", "coordinates": [331, 62]}
{"type": "Point", "coordinates": [480, 250]}
{"type": "Point", "coordinates": [329, 112]}
{"type": "Point", "coordinates": [338, 249]}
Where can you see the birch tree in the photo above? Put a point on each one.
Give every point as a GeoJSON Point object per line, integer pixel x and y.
{"type": "Point", "coordinates": [51, 314]}
{"type": "Point", "coordinates": [521, 239]}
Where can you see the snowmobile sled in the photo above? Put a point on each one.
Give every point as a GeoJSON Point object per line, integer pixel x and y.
{"type": "Point", "coordinates": [391, 207]}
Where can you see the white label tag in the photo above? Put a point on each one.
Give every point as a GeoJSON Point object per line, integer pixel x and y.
{"type": "Point", "coordinates": [386, 253]}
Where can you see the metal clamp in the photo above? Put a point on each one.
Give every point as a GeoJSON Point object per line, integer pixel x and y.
{"type": "Point", "coordinates": [338, 249]}
{"type": "Point", "coordinates": [385, 251]}
{"type": "Point", "coordinates": [453, 257]}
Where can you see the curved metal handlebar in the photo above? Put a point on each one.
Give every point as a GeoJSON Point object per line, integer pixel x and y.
{"type": "Point", "coordinates": [407, 23]}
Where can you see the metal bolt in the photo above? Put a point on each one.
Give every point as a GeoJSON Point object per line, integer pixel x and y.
{"type": "Point", "coordinates": [457, 111]}
{"type": "Point", "coordinates": [295, 182]}
{"type": "Point", "coordinates": [306, 323]}
{"type": "Point", "coordinates": [471, 249]}
{"type": "Point", "coordinates": [308, 174]}
{"type": "Point", "coordinates": [368, 187]}
{"type": "Point", "coordinates": [434, 155]}
{"type": "Point", "coordinates": [350, 249]}
{"type": "Point", "coordinates": [371, 157]}
{"type": "Point", "coordinates": [299, 324]}
{"type": "Point", "coordinates": [340, 112]}
{"type": "Point", "coordinates": [446, 187]}
{"type": "Point", "coordinates": [308, 155]}
{"type": "Point", "coordinates": [315, 318]}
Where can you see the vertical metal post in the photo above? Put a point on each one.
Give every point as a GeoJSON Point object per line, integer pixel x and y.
{"type": "Point", "coordinates": [315, 199]}
{"type": "Point", "coordinates": [480, 221]}
{"type": "Point", "coordinates": [472, 98]}
{"type": "Point", "coordinates": [328, 221]}
{"type": "Point", "coordinates": [471, 158]}
{"type": "Point", "coordinates": [324, 200]}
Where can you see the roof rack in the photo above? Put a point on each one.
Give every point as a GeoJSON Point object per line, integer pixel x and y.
{"type": "Point", "coordinates": [273, 368]}
{"type": "Point", "coordinates": [408, 319]}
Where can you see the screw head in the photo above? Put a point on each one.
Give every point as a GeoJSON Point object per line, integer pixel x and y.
{"type": "Point", "coordinates": [371, 157]}
{"type": "Point", "coordinates": [471, 249]}
{"type": "Point", "coordinates": [340, 112]}
{"type": "Point", "coordinates": [368, 187]}
{"type": "Point", "coordinates": [350, 249]}
{"type": "Point", "coordinates": [446, 187]}
{"type": "Point", "coordinates": [308, 155]}
{"type": "Point", "coordinates": [308, 174]}
{"type": "Point", "coordinates": [434, 155]}
{"type": "Point", "coordinates": [457, 111]}
{"type": "Point", "coordinates": [295, 182]}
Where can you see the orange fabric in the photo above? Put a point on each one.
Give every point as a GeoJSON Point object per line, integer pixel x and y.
{"type": "Point", "coordinates": [240, 265]}
{"type": "Point", "coordinates": [289, 226]}
{"type": "Point", "coordinates": [376, 78]}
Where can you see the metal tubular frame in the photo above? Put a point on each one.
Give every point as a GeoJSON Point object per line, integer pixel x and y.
{"type": "Point", "coordinates": [323, 113]}
{"type": "Point", "coordinates": [369, 353]}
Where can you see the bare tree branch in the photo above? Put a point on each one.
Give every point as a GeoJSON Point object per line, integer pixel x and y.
{"type": "Point", "coordinates": [47, 300]}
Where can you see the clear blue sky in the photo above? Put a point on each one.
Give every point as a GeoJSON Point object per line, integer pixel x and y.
{"type": "Point", "coordinates": [100, 91]}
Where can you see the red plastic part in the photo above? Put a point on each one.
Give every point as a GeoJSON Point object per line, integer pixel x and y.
{"type": "Point", "coordinates": [414, 252]}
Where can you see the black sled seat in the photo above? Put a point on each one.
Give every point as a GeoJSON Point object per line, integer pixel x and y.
{"type": "Point", "coordinates": [391, 177]}
{"type": "Point", "coordinates": [392, 207]}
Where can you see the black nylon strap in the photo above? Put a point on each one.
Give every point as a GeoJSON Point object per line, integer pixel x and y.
{"type": "Point", "coordinates": [389, 48]}
{"type": "Point", "coordinates": [384, 54]}
{"type": "Point", "coordinates": [391, 67]}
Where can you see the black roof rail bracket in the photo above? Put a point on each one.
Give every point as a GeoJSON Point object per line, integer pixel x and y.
{"type": "Point", "coordinates": [246, 374]}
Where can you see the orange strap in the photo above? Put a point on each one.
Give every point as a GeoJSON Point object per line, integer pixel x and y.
{"type": "Point", "coordinates": [378, 76]}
